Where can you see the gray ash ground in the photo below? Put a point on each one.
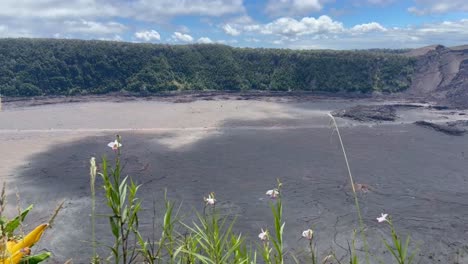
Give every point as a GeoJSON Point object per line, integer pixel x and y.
{"type": "Point", "coordinates": [417, 175]}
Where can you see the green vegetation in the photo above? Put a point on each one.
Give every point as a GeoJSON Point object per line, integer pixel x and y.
{"type": "Point", "coordinates": [32, 67]}
{"type": "Point", "coordinates": [15, 245]}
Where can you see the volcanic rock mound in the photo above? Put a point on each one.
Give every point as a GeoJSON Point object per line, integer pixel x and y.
{"type": "Point", "coordinates": [367, 113]}
{"type": "Point", "coordinates": [452, 129]}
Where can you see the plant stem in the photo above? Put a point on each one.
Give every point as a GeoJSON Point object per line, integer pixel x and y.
{"type": "Point", "coordinates": [93, 206]}
{"type": "Point", "coordinates": [356, 200]}
{"type": "Point", "coordinates": [312, 252]}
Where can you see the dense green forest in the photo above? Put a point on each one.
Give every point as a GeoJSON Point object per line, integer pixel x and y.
{"type": "Point", "coordinates": [30, 67]}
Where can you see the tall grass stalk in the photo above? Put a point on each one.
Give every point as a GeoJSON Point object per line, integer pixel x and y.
{"type": "Point", "coordinates": [277, 210]}
{"type": "Point", "coordinates": [167, 240]}
{"type": "Point", "coordinates": [153, 250]}
{"type": "Point", "coordinates": [211, 240]}
{"type": "Point", "coordinates": [92, 174]}
{"type": "Point", "coordinates": [400, 250]}
{"type": "Point", "coordinates": [125, 206]}
{"type": "Point", "coordinates": [266, 249]}
{"type": "Point", "coordinates": [313, 252]}
{"type": "Point", "coordinates": [356, 200]}
{"type": "Point", "coordinates": [216, 239]}
{"type": "Point", "coordinates": [353, 258]}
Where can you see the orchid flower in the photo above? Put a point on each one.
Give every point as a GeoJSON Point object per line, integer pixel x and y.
{"type": "Point", "coordinates": [210, 200]}
{"type": "Point", "coordinates": [115, 145]}
{"type": "Point", "coordinates": [382, 218]}
{"type": "Point", "coordinates": [263, 235]}
{"type": "Point", "coordinates": [273, 193]}
{"type": "Point", "coordinates": [308, 234]}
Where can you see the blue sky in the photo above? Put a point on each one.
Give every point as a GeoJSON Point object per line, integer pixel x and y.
{"type": "Point", "coordinates": [294, 24]}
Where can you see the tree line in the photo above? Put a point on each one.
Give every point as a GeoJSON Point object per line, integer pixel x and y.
{"type": "Point", "coordinates": [32, 67]}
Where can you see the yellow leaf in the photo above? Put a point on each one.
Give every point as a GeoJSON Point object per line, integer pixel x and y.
{"type": "Point", "coordinates": [30, 239]}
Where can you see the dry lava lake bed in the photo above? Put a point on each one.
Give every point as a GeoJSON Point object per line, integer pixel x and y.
{"type": "Point", "coordinates": [237, 148]}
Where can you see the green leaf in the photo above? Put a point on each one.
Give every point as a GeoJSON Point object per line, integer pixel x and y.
{"type": "Point", "coordinates": [15, 222]}
{"type": "Point", "coordinates": [390, 249]}
{"type": "Point", "coordinates": [123, 194]}
{"type": "Point", "coordinates": [405, 248]}
{"type": "Point", "coordinates": [35, 258]}
{"type": "Point", "coordinates": [3, 220]}
{"type": "Point", "coordinates": [114, 227]}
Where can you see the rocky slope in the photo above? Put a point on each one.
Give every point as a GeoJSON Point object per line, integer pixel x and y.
{"type": "Point", "coordinates": [441, 75]}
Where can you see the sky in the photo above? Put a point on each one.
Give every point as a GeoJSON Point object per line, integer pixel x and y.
{"type": "Point", "coordinates": [292, 24]}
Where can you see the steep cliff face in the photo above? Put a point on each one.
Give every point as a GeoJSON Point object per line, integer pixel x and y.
{"type": "Point", "coordinates": [458, 92]}
{"type": "Point", "coordinates": [441, 74]}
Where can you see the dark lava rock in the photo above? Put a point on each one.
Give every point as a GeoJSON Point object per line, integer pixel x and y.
{"type": "Point", "coordinates": [458, 123]}
{"type": "Point", "coordinates": [448, 128]}
{"type": "Point", "coordinates": [369, 113]}
{"type": "Point", "coordinates": [410, 106]}
{"type": "Point", "coordinates": [440, 107]}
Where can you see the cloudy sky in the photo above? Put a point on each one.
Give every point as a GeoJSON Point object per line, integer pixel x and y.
{"type": "Point", "coordinates": [296, 24]}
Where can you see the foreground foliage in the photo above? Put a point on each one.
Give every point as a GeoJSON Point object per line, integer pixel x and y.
{"type": "Point", "coordinates": [210, 238]}
{"type": "Point", "coordinates": [15, 246]}
{"type": "Point", "coordinates": [33, 67]}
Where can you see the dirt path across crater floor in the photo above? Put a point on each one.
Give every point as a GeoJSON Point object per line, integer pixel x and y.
{"type": "Point", "coordinates": [237, 148]}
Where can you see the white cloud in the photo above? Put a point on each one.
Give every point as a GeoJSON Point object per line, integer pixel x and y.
{"type": "Point", "coordinates": [93, 27]}
{"type": "Point", "coordinates": [368, 27]}
{"type": "Point", "coordinates": [79, 29]}
{"type": "Point", "coordinates": [90, 18]}
{"type": "Point", "coordinates": [141, 9]}
{"type": "Point", "coordinates": [287, 26]}
{"type": "Point", "coordinates": [55, 9]}
{"type": "Point", "coordinates": [447, 27]}
{"type": "Point", "coordinates": [294, 7]}
{"type": "Point", "coordinates": [448, 33]}
{"type": "Point", "coordinates": [228, 29]}
{"type": "Point", "coordinates": [204, 40]}
{"type": "Point", "coordinates": [148, 35]}
{"type": "Point", "coordinates": [328, 33]}
{"type": "Point", "coordinates": [155, 9]}
{"type": "Point", "coordinates": [177, 36]}
{"type": "Point", "coordinates": [293, 27]}
{"type": "Point", "coordinates": [424, 7]}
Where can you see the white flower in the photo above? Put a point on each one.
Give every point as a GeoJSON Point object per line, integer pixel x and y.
{"type": "Point", "coordinates": [210, 200]}
{"type": "Point", "coordinates": [115, 145]}
{"type": "Point", "coordinates": [308, 234]}
{"type": "Point", "coordinates": [383, 218]}
{"type": "Point", "coordinates": [272, 193]}
{"type": "Point", "coordinates": [263, 235]}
